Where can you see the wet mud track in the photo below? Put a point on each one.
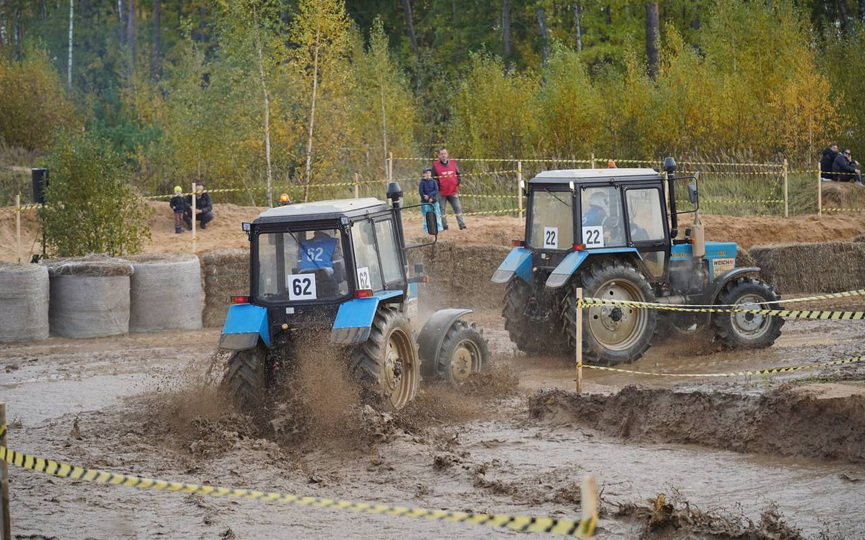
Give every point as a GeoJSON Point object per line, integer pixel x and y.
{"type": "Point", "coordinates": [134, 404]}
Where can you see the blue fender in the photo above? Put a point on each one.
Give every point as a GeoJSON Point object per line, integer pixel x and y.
{"type": "Point", "coordinates": [431, 337]}
{"type": "Point", "coordinates": [519, 262]}
{"type": "Point", "coordinates": [566, 269]}
{"type": "Point", "coordinates": [243, 327]}
{"type": "Point", "coordinates": [354, 318]}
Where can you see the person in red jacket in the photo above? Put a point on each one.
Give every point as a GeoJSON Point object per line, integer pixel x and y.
{"type": "Point", "coordinates": [447, 174]}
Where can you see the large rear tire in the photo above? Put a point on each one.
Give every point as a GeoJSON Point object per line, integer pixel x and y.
{"type": "Point", "coordinates": [246, 379]}
{"type": "Point", "coordinates": [747, 330]}
{"type": "Point", "coordinates": [529, 336]}
{"type": "Point", "coordinates": [613, 334]}
{"type": "Point", "coordinates": [464, 352]}
{"type": "Point", "coordinates": [387, 365]}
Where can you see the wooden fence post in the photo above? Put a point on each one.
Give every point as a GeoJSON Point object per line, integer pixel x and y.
{"type": "Point", "coordinates": [579, 338]}
{"type": "Point", "coordinates": [5, 520]}
{"type": "Point", "coordinates": [193, 217]}
{"type": "Point", "coordinates": [786, 191]}
{"type": "Point", "coordinates": [18, 226]}
{"type": "Point", "coordinates": [593, 160]}
{"type": "Point", "coordinates": [356, 185]}
{"type": "Point", "coordinates": [819, 193]}
{"type": "Point", "coordinates": [520, 188]}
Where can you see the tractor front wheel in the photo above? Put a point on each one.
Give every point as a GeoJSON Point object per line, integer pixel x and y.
{"type": "Point", "coordinates": [387, 365]}
{"type": "Point", "coordinates": [613, 334]}
{"type": "Point", "coordinates": [464, 351]}
{"type": "Point", "coordinates": [747, 330]}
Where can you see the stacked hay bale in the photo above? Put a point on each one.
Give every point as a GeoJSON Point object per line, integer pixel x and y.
{"type": "Point", "coordinates": [226, 274]}
{"type": "Point", "coordinates": [89, 296]}
{"type": "Point", "coordinates": [165, 293]}
{"type": "Point", "coordinates": [23, 302]}
{"type": "Point", "coordinates": [460, 275]}
{"type": "Point", "coordinates": [814, 267]}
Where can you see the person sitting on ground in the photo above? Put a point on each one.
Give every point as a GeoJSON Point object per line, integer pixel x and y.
{"type": "Point", "coordinates": [284, 199]}
{"type": "Point", "coordinates": [826, 161]}
{"type": "Point", "coordinates": [203, 208]}
{"type": "Point", "coordinates": [178, 205]}
{"type": "Point", "coordinates": [845, 169]}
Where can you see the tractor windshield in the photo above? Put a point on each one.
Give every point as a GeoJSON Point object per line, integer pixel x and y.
{"type": "Point", "coordinates": [300, 266]}
{"type": "Point", "coordinates": [551, 220]}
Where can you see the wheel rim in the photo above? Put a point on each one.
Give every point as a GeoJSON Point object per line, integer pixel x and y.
{"type": "Point", "coordinates": [751, 325]}
{"type": "Point", "coordinates": [617, 328]}
{"type": "Point", "coordinates": [399, 372]}
{"type": "Point", "coordinates": [466, 359]}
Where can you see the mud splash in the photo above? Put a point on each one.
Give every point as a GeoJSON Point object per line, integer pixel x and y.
{"type": "Point", "coordinates": [788, 421]}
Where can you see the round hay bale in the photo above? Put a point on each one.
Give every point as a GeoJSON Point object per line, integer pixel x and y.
{"type": "Point", "coordinates": [165, 293]}
{"type": "Point", "coordinates": [89, 297]}
{"type": "Point", "coordinates": [23, 302]}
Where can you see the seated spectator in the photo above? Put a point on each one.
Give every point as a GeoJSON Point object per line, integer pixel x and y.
{"type": "Point", "coordinates": [845, 169]}
{"type": "Point", "coordinates": [203, 208]}
{"type": "Point", "coordinates": [826, 161]}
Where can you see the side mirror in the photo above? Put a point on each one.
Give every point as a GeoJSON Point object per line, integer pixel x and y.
{"type": "Point", "coordinates": [432, 226]}
{"type": "Point", "coordinates": [693, 196]}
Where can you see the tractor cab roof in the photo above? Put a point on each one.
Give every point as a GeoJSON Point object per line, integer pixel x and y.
{"type": "Point", "coordinates": [323, 210]}
{"type": "Point", "coordinates": [593, 176]}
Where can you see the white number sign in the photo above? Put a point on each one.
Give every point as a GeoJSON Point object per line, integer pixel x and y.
{"type": "Point", "coordinates": [593, 237]}
{"type": "Point", "coordinates": [363, 281]}
{"type": "Point", "coordinates": [551, 238]}
{"type": "Point", "coordinates": [300, 286]}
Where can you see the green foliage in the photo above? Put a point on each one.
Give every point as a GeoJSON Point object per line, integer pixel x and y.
{"type": "Point", "coordinates": [33, 105]}
{"type": "Point", "coordinates": [90, 204]}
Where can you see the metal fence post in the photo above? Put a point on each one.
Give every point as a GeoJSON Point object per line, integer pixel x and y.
{"type": "Point", "coordinates": [5, 520]}
{"type": "Point", "coordinates": [579, 339]}
{"type": "Point", "coordinates": [520, 188]}
{"type": "Point", "coordinates": [786, 191]}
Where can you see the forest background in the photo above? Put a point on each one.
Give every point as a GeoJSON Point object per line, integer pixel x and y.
{"type": "Point", "coordinates": [253, 93]}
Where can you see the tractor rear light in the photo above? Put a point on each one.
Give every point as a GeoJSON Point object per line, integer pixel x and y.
{"type": "Point", "coordinates": [579, 247]}
{"type": "Point", "coordinates": [239, 299]}
{"type": "Point", "coordinates": [518, 243]}
{"type": "Point", "coordinates": [363, 293]}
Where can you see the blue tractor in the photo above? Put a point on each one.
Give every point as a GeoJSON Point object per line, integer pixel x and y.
{"type": "Point", "coordinates": [611, 232]}
{"type": "Point", "coordinates": [338, 270]}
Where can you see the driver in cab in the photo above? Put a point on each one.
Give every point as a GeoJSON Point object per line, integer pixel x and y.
{"type": "Point", "coordinates": [319, 252]}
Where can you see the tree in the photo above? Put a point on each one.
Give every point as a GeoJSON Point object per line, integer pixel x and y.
{"type": "Point", "coordinates": [90, 204]}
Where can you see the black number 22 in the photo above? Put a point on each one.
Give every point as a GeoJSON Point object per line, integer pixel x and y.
{"type": "Point", "coordinates": [550, 238]}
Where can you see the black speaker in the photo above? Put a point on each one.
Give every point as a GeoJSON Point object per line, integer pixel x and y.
{"type": "Point", "coordinates": [40, 182]}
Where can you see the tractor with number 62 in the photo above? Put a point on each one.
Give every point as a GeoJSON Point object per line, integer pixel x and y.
{"type": "Point", "coordinates": [339, 269]}
{"type": "Point", "coordinates": [609, 232]}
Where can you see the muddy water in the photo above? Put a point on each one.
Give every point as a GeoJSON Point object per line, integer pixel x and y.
{"type": "Point", "coordinates": [487, 456]}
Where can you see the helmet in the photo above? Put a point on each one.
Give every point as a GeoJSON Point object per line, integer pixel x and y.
{"type": "Point", "coordinates": [599, 198]}
{"type": "Point", "coordinates": [178, 189]}
{"type": "Point", "coordinates": [284, 199]}
{"type": "Point", "coordinates": [611, 164]}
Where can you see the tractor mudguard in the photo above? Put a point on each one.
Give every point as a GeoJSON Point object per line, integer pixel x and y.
{"type": "Point", "coordinates": [714, 289]}
{"type": "Point", "coordinates": [430, 339]}
{"type": "Point", "coordinates": [572, 262]}
{"type": "Point", "coordinates": [519, 262]}
{"type": "Point", "coordinates": [244, 325]}
{"type": "Point", "coordinates": [354, 318]}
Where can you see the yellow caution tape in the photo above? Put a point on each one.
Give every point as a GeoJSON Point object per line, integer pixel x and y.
{"type": "Point", "coordinates": [852, 360]}
{"type": "Point", "coordinates": [792, 314]}
{"type": "Point", "coordinates": [844, 209]}
{"type": "Point", "coordinates": [827, 296]}
{"type": "Point", "coordinates": [561, 527]}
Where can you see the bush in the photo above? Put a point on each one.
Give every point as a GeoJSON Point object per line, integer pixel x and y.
{"type": "Point", "coordinates": [90, 205]}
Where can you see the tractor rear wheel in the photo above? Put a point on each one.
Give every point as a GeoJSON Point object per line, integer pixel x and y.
{"type": "Point", "coordinates": [387, 365]}
{"type": "Point", "coordinates": [747, 330]}
{"type": "Point", "coordinates": [528, 335]}
{"type": "Point", "coordinates": [464, 351]}
{"type": "Point", "coordinates": [246, 379]}
{"type": "Point", "coordinates": [613, 334]}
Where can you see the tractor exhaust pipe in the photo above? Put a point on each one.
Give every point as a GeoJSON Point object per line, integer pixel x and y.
{"type": "Point", "coordinates": [394, 194]}
{"type": "Point", "coordinates": [670, 169]}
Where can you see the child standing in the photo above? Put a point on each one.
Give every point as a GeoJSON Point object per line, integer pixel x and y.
{"type": "Point", "coordinates": [429, 192]}
{"type": "Point", "coordinates": [178, 204]}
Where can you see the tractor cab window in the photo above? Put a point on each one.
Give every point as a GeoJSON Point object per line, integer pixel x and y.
{"type": "Point", "coordinates": [552, 220]}
{"type": "Point", "coordinates": [387, 247]}
{"type": "Point", "coordinates": [645, 220]}
{"type": "Point", "coordinates": [367, 267]}
{"type": "Point", "coordinates": [301, 266]}
{"type": "Point", "coordinates": [601, 220]}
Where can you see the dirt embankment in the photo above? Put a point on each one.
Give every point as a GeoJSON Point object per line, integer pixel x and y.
{"type": "Point", "coordinates": [789, 421]}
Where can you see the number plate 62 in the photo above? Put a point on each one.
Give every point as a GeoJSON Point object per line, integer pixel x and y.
{"type": "Point", "coordinates": [300, 286]}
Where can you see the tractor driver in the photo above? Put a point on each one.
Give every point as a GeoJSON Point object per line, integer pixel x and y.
{"type": "Point", "coordinates": [598, 207]}
{"type": "Point", "coordinates": [319, 252]}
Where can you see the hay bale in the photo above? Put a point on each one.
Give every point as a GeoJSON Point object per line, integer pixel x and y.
{"type": "Point", "coordinates": [165, 293]}
{"type": "Point", "coordinates": [89, 296]}
{"type": "Point", "coordinates": [860, 238]}
{"type": "Point", "coordinates": [226, 274]}
{"type": "Point", "coordinates": [744, 259]}
{"type": "Point", "coordinates": [812, 267]}
{"type": "Point", "coordinates": [23, 302]}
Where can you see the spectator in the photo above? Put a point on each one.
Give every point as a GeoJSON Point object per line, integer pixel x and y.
{"type": "Point", "coordinates": [826, 161]}
{"type": "Point", "coordinates": [448, 176]}
{"type": "Point", "coordinates": [178, 205]}
{"type": "Point", "coordinates": [429, 193]}
{"type": "Point", "coordinates": [611, 164]}
{"type": "Point", "coordinates": [284, 199]}
{"type": "Point", "coordinates": [845, 168]}
{"type": "Point", "coordinates": [203, 208]}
